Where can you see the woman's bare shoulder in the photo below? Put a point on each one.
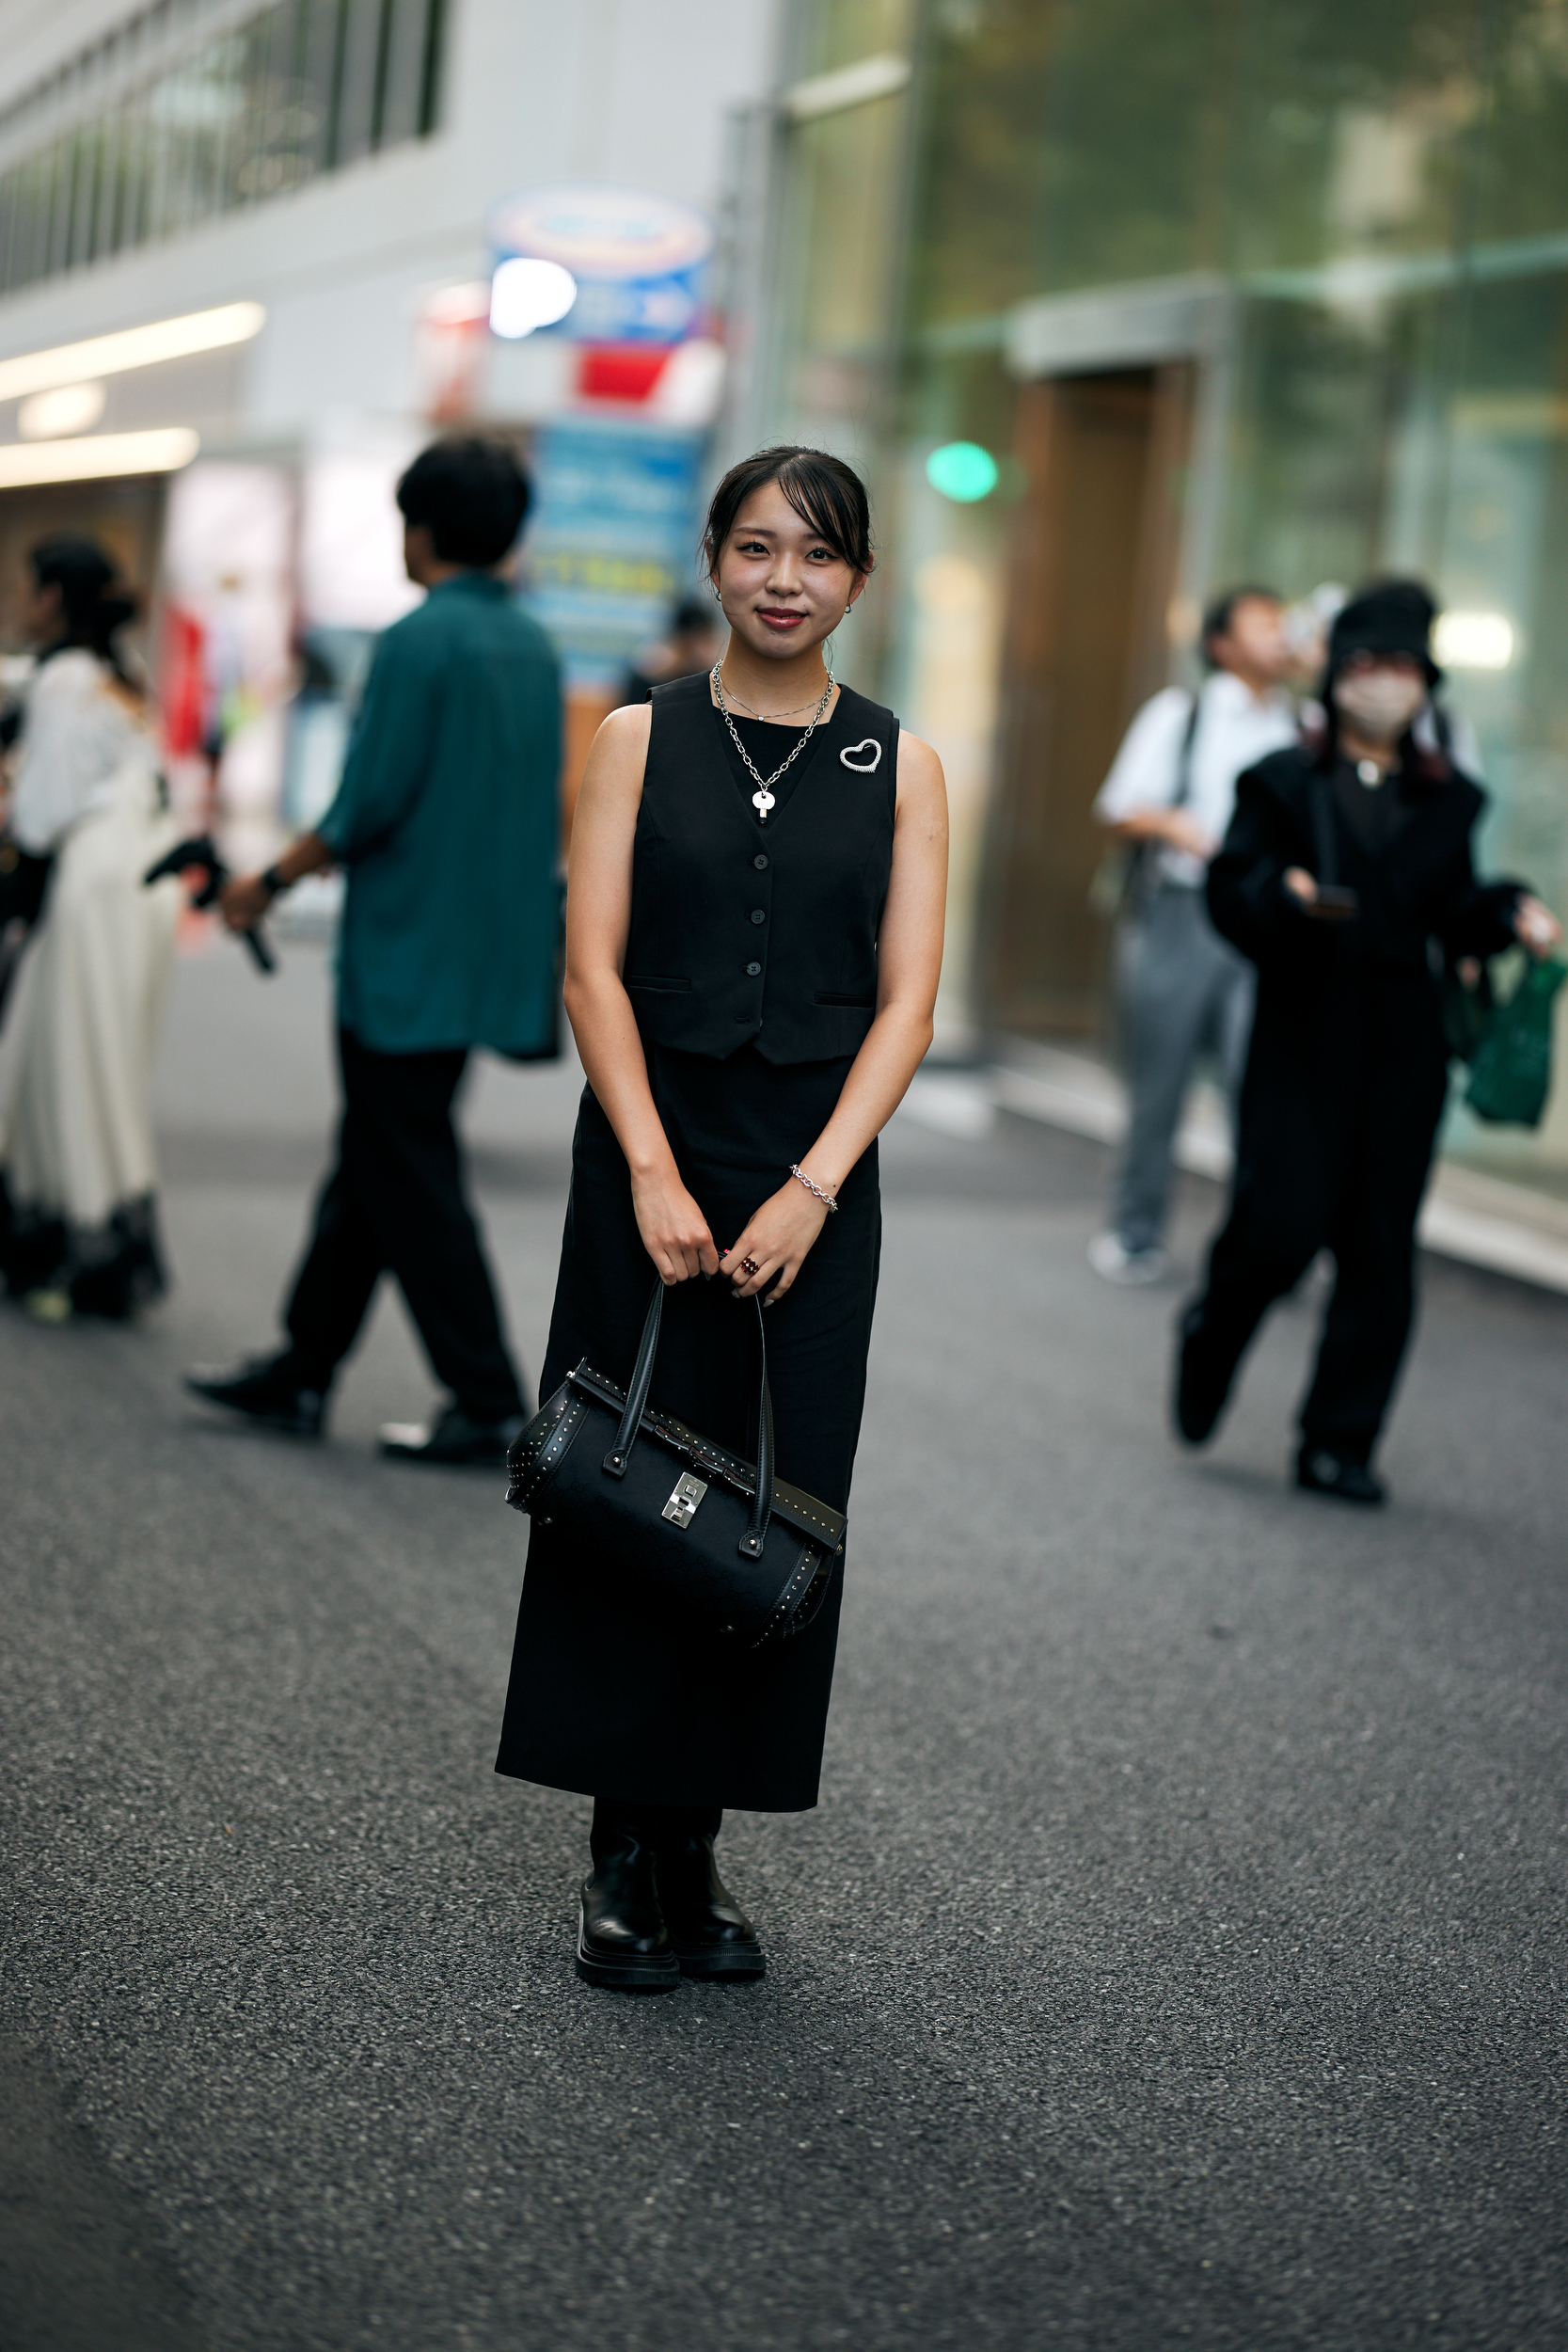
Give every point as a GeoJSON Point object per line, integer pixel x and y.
{"type": "Point", "coordinates": [919, 769]}
{"type": "Point", "coordinates": [617, 757]}
{"type": "Point", "coordinates": [626, 730]}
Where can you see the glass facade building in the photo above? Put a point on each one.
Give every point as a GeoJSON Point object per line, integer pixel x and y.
{"type": "Point", "coordinates": [1251, 290]}
{"type": "Point", "coordinates": [167, 122]}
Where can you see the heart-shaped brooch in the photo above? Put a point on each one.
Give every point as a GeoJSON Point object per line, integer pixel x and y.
{"type": "Point", "coordinates": [863, 767]}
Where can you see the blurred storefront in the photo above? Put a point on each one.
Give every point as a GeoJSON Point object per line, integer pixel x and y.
{"type": "Point", "coordinates": [246, 251]}
{"type": "Point", "coordinates": [1117, 303]}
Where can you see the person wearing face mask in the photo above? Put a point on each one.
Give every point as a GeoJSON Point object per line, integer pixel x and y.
{"type": "Point", "coordinates": [1346, 877]}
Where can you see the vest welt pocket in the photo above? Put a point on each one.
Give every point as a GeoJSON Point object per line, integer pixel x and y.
{"type": "Point", "coordinates": [849, 1004]}
{"type": "Point", "coordinates": [667, 983]}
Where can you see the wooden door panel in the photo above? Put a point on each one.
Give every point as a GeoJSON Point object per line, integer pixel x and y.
{"type": "Point", "coordinates": [1093, 562]}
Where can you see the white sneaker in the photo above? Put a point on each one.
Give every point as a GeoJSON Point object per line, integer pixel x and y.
{"type": "Point", "coordinates": [1115, 1262]}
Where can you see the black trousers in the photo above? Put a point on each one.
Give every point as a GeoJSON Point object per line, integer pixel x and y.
{"type": "Point", "coordinates": [394, 1205]}
{"type": "Point", "coordinates": [1335, 1145]}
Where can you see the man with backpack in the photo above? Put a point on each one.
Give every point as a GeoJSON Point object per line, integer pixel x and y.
{"type": "Point", "coordinates": [1180, 988]}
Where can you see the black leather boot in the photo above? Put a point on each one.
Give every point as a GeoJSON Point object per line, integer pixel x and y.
{"type": "Point", "coordinates": [711, 1934]}
{"type": "Point", "coordinates": [621, 1938]}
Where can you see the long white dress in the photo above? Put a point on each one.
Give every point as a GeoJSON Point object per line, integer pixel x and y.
{"type": "Point", "coordinates": [77, 1154]}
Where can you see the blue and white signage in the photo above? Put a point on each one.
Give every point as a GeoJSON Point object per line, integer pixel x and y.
{"type": "Point", "coordinates": [612, 542]}
{"type": "Point", "coordinates": [637, 260]}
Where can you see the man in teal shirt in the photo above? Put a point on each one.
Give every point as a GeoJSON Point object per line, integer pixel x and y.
{"type": "Point", "coordinates": [445, 823]}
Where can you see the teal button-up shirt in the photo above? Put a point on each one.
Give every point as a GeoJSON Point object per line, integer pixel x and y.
{"type": "Point", "coordinates": [446, 821]}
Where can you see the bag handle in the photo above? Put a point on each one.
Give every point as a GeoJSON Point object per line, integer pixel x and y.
{"type": "Point", "coordinates": [615, 1461]}
{"type": "Point", "coordinates": [637, 1393]}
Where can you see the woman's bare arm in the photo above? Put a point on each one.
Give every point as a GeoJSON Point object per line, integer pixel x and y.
{"type": "Point", "coordinates": [909, 965]}
{"type": "Point", "coordinates": [598, 919]}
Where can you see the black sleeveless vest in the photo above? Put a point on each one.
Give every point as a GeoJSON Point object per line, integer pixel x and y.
{"type": "Point", "coordinates": [743, 933]}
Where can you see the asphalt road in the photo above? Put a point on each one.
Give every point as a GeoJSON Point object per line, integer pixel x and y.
{"type": "Point", "coordinates": [1176, 1957]}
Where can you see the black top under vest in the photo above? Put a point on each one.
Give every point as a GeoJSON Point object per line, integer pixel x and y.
{"type": "Point", "coordinates": [752, 931]}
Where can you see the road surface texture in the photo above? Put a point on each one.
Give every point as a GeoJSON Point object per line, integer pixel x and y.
{"type": "Point", "coordinates": [1176, 1957]}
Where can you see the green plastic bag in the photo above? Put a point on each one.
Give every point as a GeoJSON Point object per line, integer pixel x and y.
{"type": "Point", "coordinates": [1510, 1075]}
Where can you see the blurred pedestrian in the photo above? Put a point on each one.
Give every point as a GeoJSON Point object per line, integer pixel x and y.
{"type": "Point", "coordinates": [692, 643]}
{"type": "Point", "coordinates": [1180, 988]}
{"type": "Point", "coordinates": [78, 1220]}
{"type": "Point", "coordinates": [1346, 876]}
{"type": "Point", "coordinates": [445, 824]}
{"type": "Point", "coordinates": [753, 940]}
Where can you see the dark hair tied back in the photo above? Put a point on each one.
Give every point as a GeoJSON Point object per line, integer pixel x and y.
{"type": "Point", "coordinates": [92, 605]}
{"type": "Point", "coordinates": [828, 495]}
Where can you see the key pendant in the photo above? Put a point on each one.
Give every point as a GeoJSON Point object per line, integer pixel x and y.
{"type": "Point", "coordinates": [761, 802]}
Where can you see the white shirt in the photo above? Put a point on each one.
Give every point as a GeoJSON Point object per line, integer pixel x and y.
{"type": "Point", "coordinates": [76, 737]}
{"type": "Point", "coordinates": [1235, 729]}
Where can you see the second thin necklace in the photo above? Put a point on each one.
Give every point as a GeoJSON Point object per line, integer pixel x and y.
{"type": "Point", "coordinates": [762, 799]}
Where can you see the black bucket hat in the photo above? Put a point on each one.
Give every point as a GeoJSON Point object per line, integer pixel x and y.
{"type": "Point", "coordinates": [1389, 616]}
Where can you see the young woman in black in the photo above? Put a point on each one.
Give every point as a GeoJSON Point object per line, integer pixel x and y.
{"type": "Point", "coordinates": [1346, 876]}
{"type": "Point", "coordinates": [754, 939]}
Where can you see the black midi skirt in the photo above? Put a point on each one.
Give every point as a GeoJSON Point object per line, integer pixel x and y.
{"type": "Point", "coordinates": [605, 1699]}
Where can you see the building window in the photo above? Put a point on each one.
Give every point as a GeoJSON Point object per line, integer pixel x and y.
{"type": "Point", "coordinates": [301, 89]}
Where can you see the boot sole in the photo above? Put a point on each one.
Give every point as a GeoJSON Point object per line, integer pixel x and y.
{"type": "Point", "coordinates": [627, 1976]}
{"type": "Point", "coordinates": [715, 1964]}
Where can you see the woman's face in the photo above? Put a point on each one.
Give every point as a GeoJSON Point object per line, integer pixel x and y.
{"type": "Point", "coordinates": [1380, 693]}
{"type": "Point", "coordinates": [782, 587]}
{"type": "Point", "coordinates": [39, 611]}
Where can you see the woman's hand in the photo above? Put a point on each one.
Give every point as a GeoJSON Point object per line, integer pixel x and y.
{"type": "Point", "coordinates": [777, 1239]}
{"type": "Point", "coordinates": [1300, 885]}
{"type": "Point", "coordinates": [673, 1229]}
{"type": "Point", "coordinates": [1535, 926]}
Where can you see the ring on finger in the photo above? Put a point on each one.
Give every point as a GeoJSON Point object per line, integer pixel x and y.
{"type": "Point", "coordinates": [749, 1267]}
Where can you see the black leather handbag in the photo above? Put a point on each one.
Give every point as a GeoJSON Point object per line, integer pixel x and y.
{"type": "Point", "coordinates": [723, 1545]}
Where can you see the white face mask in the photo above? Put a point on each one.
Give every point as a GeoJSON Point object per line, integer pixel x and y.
{"type": "Point", "coordinates": [1381, 702]}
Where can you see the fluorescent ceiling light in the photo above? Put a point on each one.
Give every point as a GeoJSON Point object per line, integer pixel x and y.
{"type": "Point", "coordinates": [1473, 641]}
{"type": "Point", "coordinates": [850, 85]}
{"type": "Point", "coordinates": [132, 347]}
{"type": "Point", "coordinates": [97, 456]}
{"type": "Point", "coordinates": [69, 408]}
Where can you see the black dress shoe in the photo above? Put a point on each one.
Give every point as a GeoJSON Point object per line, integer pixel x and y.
{"type": "Point", "coordinates": [452, 1437]}
{"type": "Point", "coordinates": [1325, 1473]}
{"type": "Point", "coordinates": [711, 1934]}
{"type": "Point", "coordinates": [621, 1938]}
{"type": "Point", "coordinates": [1202, 1386]}
{"type": "Point", "coordinates": [264, 1388]}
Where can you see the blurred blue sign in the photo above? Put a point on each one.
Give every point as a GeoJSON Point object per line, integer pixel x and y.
{"type": "Point", "coordinates": [612, 542]}
{"type": "Point", "coordinates": [639, 260]}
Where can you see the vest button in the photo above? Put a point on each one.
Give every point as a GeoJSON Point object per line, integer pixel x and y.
{"type": "Point", "coordinates": [759, 914]}
{"type": "Point", "coordinates": [759, 862]}
{"type": "Point", "coordinates": [752, 970]}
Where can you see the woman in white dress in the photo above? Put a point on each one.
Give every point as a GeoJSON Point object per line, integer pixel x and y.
{"type": "Point", "coordinates": [77, 1214]}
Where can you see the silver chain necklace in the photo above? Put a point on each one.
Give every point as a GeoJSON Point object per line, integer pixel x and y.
{"type": "Point", "coordinates": [762, 799]}
{"type": "Point", "coordinates": [788, 712]}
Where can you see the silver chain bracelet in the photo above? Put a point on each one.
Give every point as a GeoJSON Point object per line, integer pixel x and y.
{"type": "Point", "coordinates": [815, 1191]}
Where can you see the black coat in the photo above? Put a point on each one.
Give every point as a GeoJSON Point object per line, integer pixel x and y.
{"type": "Point", "coordinates": [1422, 886]}
{"type": "Point", "coordinates": [1348, 1070]}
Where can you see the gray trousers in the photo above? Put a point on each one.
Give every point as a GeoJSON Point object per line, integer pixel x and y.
{"type": "Point", "coordinates": [1180, 989]}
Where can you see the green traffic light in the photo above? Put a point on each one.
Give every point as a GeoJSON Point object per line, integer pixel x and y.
{"type": "Point", "coordinates": [962, 470]}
